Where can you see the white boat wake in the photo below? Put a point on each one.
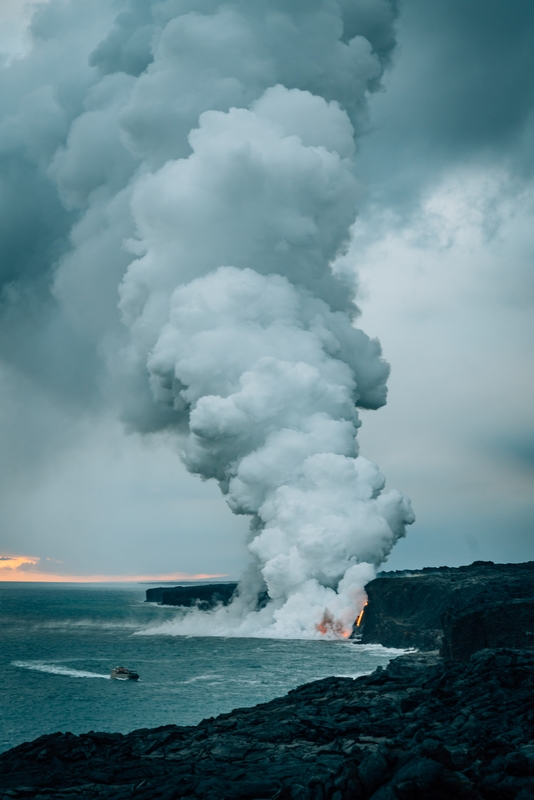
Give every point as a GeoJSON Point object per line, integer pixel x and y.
{"type": "Point", "coordinates": [55, 669]}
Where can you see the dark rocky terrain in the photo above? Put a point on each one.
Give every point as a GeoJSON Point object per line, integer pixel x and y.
{"type": "Point", "coordinates": [459, 609]}
{"type": "Point", "coordinates": [204, 596]}
{"type": "Point", "coordinates": [423, 728]}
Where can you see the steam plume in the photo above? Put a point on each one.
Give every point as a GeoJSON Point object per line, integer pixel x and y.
{"type": "Point", "coordinates": [210, 171]}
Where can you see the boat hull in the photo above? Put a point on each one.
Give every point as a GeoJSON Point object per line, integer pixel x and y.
{"type": "Point", "coordinates": [123, 675]}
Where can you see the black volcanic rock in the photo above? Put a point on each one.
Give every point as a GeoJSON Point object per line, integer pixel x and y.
{"type": "Point", "coordinates": [422, 729]}
{"type": "Point", "coordinates": [204, 596]}
{"type": "Point", "coordinates": [486, 624]}
{"type": "Point", "coordinates": [459, 609]}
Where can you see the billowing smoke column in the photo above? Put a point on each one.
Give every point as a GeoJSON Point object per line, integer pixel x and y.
{"type": "Point", "coordinates": [211, 168]}
{"type": "Point", "coordinates": [247, 336]}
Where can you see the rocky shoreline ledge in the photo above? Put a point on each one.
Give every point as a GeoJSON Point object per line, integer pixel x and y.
{"type": "Point", "coordinates": [456, 609]}
{"type": "Point", "coordinates": [423, 728]}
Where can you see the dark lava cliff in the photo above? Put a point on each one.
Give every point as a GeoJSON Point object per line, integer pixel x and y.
{"type": "Point", "coordinates": [459, 610]}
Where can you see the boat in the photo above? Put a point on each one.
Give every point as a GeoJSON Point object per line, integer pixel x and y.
{"type": "Point", "coordinates": [124, 674]}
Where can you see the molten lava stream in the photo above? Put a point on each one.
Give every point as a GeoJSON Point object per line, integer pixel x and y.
{"type": "Point", "coordinates": [359, 618]}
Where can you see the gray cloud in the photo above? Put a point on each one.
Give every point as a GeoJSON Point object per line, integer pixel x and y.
{"type": "Point", "coordinates": [461, 91]}
{"type": "Point", "coordinates": [110, 177]}
{"type": "Point", "coordinates": [199, 155]}
{"type": "Point", "coordinates": [445, 248]}
{"type": "Point", "coordinates": [476, 70]}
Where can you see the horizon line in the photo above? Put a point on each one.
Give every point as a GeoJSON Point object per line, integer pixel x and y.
{"type": "Point", "coordinates": [16, 576]}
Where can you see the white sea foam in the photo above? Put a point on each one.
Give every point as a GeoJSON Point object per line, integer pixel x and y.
{"type": "Point", "coordinates": [208, 677]}
{"type": "Point", "coordinates": [230, 622]}
{"type": "Point", "coordinates": [87, 623]}
{"type": "Point", "coordinates": [351, 675]}
{"type": "Point", "coordinates": [56, 669]}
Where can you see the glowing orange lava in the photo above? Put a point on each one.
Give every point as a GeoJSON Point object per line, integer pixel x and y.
{"type": "Point", "coordinates": [360, 617]}
{"type": "Point", "coordinates": [329, 624]}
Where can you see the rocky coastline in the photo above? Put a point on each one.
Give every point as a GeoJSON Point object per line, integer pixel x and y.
{"type": "Point", "coordinates": [422, 728]}
{"type": "Point", "coordinates": [455, 724]}
{"type": "Point", "coordinates": [456, 609]}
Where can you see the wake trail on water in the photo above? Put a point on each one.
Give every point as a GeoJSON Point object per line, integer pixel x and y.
{"type": "Point", "coordinates": [55, 669]}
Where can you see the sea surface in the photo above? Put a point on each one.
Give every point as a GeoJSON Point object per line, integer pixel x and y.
{"type": "Point", "coordinates": [59, 642]}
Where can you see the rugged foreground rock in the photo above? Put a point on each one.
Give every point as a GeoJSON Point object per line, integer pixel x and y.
{"type": "Point", "coordinates": [421, 729]}
{"type": "Point", "coordinates": [459, 609]}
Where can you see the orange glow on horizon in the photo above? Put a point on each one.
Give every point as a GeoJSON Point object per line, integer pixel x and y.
{"type": "Point", "coordinates": [25, 569]}
{"type": "Point", "coordinates": [14, 562]}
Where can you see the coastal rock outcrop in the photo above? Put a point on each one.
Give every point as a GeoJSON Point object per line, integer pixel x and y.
{"type": "Point", "coordinates": [204, 596]}
{"type": "Point", "coordinates": [422, 729]}
{"type": "Point", "coordinates": [459, 610]}
{"type": "Point", "coordinates": [487, 624]}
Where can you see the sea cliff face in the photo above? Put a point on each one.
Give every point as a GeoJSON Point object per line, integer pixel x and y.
{"type": "Point", "coordinates": [458, 610]}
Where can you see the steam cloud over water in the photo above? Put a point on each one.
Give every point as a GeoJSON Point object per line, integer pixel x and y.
{"type": "Point", "coordinates": [203, 164]}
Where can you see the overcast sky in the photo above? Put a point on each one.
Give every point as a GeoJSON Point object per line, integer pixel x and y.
{"type": "Point", "coordinates": [442, 247]}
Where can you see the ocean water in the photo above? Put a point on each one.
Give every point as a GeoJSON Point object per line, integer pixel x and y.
{"type": "Point", "coordinates": [59, 642]}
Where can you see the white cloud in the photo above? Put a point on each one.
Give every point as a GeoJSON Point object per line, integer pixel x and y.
{"type": "Point", "coordinates": [450, 292]}
{"type": "Point", "coordinates": [15, 18]}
